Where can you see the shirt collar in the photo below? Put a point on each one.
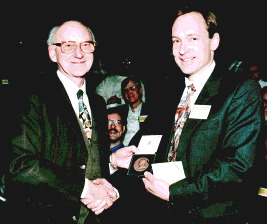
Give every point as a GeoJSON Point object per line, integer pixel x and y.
{"type": "Point", "coordinates": [137, 109]}
{"type": "Point", "coordinates": [70, 86]}
{"type": "Point", "coordinates": [115, 148]}
{"type": "Point", "coordinates": [200, 80]}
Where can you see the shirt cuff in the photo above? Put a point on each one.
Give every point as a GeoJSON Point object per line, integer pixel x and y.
{"type": "Point", "coordinates": [85, 188]}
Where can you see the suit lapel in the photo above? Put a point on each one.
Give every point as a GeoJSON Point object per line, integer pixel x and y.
{"type": "Point", "coordinates": [206, 97]}
{"type": "Point", "coordinates": [65, 109]}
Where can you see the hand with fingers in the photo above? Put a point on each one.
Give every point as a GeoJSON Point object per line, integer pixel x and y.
{"type": "Point", "coordinates": [99, 197]}
{"type": "Point", "coordinates": [159, 188]}
{"type": "Point", "coordinates": [123, 156]}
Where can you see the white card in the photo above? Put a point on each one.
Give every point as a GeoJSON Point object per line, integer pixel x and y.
{"type": "Point", "coordinates": [149, 144]}
{"type": "Point", "coordinates": [200, 112]}
{"type": "Point", "coordinates": [171, 172]}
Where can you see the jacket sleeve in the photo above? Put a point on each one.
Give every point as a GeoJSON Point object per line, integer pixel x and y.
{"type": "Point", "coordinates": [232, 167]}
{"type": "Point", "coordinates": [31, 170]}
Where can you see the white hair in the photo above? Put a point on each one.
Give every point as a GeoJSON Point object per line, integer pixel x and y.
{"type": "Point", "coordinates": [53, 31]}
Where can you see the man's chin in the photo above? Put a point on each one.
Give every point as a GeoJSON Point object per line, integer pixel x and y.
{"type": "Point", "coordinates": [113, 140]}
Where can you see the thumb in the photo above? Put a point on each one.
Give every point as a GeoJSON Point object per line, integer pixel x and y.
{"type": "Point", "coordinates": [133, 149]}
{"type": "Point", "coordinates": [149, 176]}
{"type": "Point", "coordinates": [97, 181]}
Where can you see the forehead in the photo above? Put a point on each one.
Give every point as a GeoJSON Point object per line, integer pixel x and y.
{"type": "Point", "coordinates": [73, 31]}
{"type": "Point", "coordinates": [131, 83]}
{"type": "Point", "coordinates": [190, 23]}
{"type": "Point", "coordinates": [114, 116]}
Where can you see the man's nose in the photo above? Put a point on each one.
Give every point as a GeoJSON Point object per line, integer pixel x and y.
{"type": "Point", "coordinates": [78, 52]}
{"type": "Point", "coordinates": [113, 125]}
{"type": "Point", "coordinates": [183, 49]}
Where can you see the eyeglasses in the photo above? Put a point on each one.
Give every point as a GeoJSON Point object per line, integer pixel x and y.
{"type": "Point", "coordinates": [132, 89]}
{"type": "Point", "coordinates": [116, 122]}
{"type": "Point", "coordinates": [70, 46]}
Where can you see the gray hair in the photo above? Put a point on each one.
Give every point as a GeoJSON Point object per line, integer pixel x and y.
{"type": "Point", "coordinates": [53, 31]}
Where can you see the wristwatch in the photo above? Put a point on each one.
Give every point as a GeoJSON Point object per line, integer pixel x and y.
{"type": "Point", "coordinates": [111, 164]}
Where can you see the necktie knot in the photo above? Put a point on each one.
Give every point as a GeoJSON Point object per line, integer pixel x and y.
{"type": "Point", "coordinates": [79, 94]}
{"type": "Point", "coordinates": [191, 88]}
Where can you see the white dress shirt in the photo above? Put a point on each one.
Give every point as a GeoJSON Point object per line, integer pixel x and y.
{"type": "Point", "coordinates": [199, 83]}
{"type": "Point", "coordinates": [133, 126]}
{"type": "Point", "coordinates": [72, 89]}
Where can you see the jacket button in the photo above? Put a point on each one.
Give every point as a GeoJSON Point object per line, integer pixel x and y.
{"type": "Point", "coordinates": [83, 167]}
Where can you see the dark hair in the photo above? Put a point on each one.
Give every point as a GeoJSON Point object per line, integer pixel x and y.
{"type": "Point", "coordinates": [125, 82]}
{"type": "Point", "coordinates": [209, 17]}
{"type": "Point", "coordinates": [120, 111]}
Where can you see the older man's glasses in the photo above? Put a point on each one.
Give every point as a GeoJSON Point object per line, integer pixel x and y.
{"type": "Point", "coordinates": [130, 89]}
{"type": "Point", "coordinates": [116, 122]}
{"type": "Point", "coordinates": [69, 47]}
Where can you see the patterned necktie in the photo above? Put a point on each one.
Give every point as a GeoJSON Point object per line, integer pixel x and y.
{"type": "Point", "coordinates": [84, 115]}
{"type": "Point", "coordinates": [182, 113]}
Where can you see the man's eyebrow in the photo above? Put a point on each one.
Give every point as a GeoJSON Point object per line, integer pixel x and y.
{"type": "Point", "coordinates": [190, 34]}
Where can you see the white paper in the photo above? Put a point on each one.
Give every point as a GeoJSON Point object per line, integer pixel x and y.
{"type": "Point", "coordinates": [200, 112]}
{"type": "Point", "coordinates": [171, 172]}
{"type": "Point", "coordinates": [149, 144]}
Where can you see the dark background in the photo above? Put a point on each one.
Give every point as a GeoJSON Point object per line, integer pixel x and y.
{"type": "Point", "coordinates": [139, 30]}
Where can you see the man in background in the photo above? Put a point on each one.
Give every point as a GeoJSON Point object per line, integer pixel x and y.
{"type": "Point", "coordinates": [135, 109]}
{"type": "Point", "coordinates": [116, 128]}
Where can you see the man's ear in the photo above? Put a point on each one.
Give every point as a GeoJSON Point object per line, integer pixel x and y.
{"type": "Point", "coordinates": [215, 40]}
{"type": "Point", "coordinates": [140, 90]}
{"type": "Point", "coordinates": [123, 129]}
{"type": "Point", "coordinates": [52, 53]}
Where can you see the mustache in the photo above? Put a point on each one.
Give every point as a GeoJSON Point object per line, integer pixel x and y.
{"type": "Point", "coordinates": [112, 130]}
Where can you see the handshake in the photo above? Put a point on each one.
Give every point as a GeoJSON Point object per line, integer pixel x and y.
{"type": "Point", "coordinates": [100, 193]}
{"type": "Point", "coordinates": [100, 196]}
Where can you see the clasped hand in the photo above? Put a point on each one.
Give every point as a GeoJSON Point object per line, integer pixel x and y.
{"type": "Point", "coordinates": [100, 196]}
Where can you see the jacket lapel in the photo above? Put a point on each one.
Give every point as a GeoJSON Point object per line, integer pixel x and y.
{"type": "Point", "coordinates": [65, 110]}
{"type": "Point", "coordinates": [206, 97]}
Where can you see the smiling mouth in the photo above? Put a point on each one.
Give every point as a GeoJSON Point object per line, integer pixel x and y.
{"type": "Point", "coordinates": [187, 59]}
{"type": "Point", "coordinates": [113, 132]}
{"type": "Point", "coordinates": [78, 63]}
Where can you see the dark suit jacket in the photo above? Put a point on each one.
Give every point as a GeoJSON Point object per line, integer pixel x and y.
{"type": "Point", "coordinates": [220, 155]}
{"type": "Point", "coordinates": [49, 153]}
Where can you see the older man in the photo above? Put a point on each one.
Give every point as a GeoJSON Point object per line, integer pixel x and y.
{"type": "Point", "coordinates": [60, 149]}
{"type": "Point", "coordinates": [211, 122]}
